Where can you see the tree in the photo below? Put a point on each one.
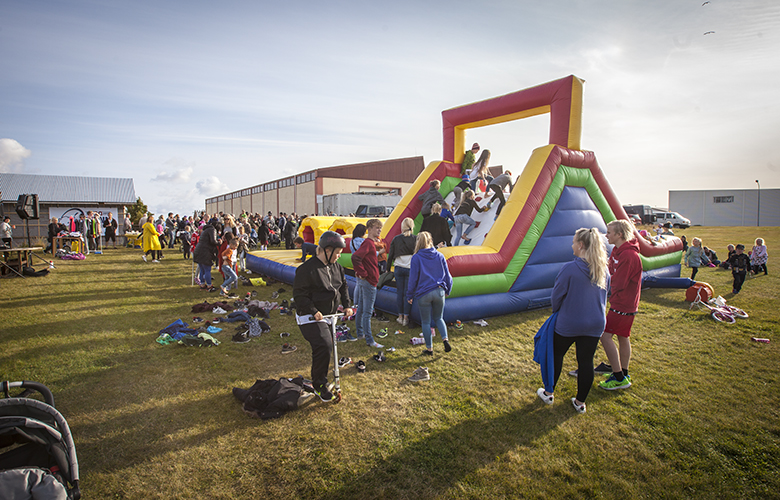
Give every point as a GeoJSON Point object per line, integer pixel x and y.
{"type": "Point", "coordinates": [137, 211]}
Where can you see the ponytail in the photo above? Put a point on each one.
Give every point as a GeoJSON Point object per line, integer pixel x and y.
{"type": "Point", "coordinates": [594, 255]}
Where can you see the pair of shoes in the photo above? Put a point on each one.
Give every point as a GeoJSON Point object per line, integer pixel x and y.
{"type": "Point", "coordinates": [376, 345]}
{"type": "Point", "coordinates": [380, 356]}
{"type": "Point", "coordinates": [344, 362]}
{"type": "Point", "coordinates": [613, 384]}
{"type": "Point", "coordinates": [420, 374]}
{"type": "Point", "coordinates": [287, 348]}
{"type": "Point", "coordinates": [427, 352]}
{"type": "Point", "coordinates": [325, 395]}
{"type": "Point", "coordinates": [382, 333]}
{"type": "Point", "coordinates": [447, 346]}
{"type": "Point", "coordinates": [579, 408]}
{"type": "Point", "coordinates": [361, 366]}
{"type": "Point", "coordinates": [399, 320]}
{"type": "Point", "coordinates": [241, 337]}
{"type": "Point", "coordinates": [156, 261]}
{"type": "Point", "coordinates": [548, 399]}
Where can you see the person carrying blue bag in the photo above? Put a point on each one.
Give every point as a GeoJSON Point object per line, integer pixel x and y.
{"type": "Point", "coordinates": [579, 301]}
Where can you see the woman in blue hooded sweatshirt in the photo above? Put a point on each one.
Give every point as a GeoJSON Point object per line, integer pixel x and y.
{"type": "Point", "coordinates": [429, 281]}
{"type": "Point", "coordinates": [580, 298]}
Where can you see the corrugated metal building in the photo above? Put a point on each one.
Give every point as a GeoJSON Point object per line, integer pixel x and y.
{"type": "Point", "coordinates": [728, 207]}
{"type": "Point", "coordinates": [302, 193]}
{"type": "Point", "coordinates": [62, 195]}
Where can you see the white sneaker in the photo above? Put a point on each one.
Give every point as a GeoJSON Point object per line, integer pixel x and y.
{"type": "Point", "coordinates": [544, 397]}
{"type": "Point", "coordinates": [155, 260]}
{"type": "Point", "coordinates": [144, 257]}
{"type": "Point", "coordinates": [377, 345]}
{"type": "Point", "coordinates": [420, 374]}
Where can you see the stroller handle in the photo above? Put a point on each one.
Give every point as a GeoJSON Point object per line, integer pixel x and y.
{"type": "Point", "coordinates": [29, 387]}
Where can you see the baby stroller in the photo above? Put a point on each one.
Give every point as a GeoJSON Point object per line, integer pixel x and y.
{"type": "Point", "coordinates": [37, 455]}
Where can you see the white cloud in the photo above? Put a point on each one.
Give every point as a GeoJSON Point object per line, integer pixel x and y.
{"type": "Point", "coordinates": [12, 155]}
{"type": "Point", "coordinates": [211, 186]}
{"type": "Point", "coordinates": [181, 173]}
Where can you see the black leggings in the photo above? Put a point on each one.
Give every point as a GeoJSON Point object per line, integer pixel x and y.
{"type": "Point", "coordinates": [156, 254]}
{"type": "Point", "coordinates": [499, 196]}
{"type": "Point", "coordinates": [758, 268]}
{"type": "Point", "coordinates": [693, 272]}
{"type": "Point", "coordinates": [586, 349]}
{"type": "Point", "coordinates": [319, 336]}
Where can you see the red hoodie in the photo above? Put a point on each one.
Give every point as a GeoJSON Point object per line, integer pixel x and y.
{"type": "Point", "coordinates": [625, 268]}
{"type": "Point", "coordinates": [364, 262]}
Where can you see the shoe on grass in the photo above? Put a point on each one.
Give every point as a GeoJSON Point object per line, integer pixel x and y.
{"type": "Point", "coordinates": [613, 384]}
{"type": "Point", "coordinates": [603, 368]}
{"type": "Point", "coordinates": [287, 348]}
{"type": "Point", "coordinates": [573, 373]}
{"type": "Point", "coordinates": [241, 338]}
{"type": "Point", "coordinates": [547, 398]}
{"type": "Point", "coordinates": [419, 375]}
{"type": "Point", "coordinates": [382, 333]}
{"type": "Point", "coordinates": [579, 408]}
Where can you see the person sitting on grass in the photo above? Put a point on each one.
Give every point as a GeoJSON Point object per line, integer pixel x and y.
{"type": "Point", "coordinates": [307, 249]}
{"type": "Point", "coordinates": [319, 289]}
{"type": "Point", "coordinates": [229, 257]}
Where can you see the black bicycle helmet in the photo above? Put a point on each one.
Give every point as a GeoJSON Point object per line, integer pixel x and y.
{"type": "Point", "coordinates": [332, 239]}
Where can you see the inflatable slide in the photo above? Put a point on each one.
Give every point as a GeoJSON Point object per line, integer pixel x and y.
{"type": "Point", "coordinates": [511, 263]}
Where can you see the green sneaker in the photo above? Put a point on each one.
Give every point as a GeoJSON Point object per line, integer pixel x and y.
{"type": "Point", "coordinates": [612, 384]}
{"type": "Point", "coordinates": [382, 333]}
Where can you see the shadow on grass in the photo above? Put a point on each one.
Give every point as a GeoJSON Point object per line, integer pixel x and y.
{"type": "Point", "coordinates": [450, 455]}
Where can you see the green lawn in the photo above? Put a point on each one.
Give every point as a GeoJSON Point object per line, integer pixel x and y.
{"type": "Point", "coordinates": [152, 421]}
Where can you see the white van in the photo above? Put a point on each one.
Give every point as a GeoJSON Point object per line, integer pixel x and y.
{"type": "Point", "coordinates": [675, 219]}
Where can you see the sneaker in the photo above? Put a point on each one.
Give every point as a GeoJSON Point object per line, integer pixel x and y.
{"type": "Point", "coordinates": [548, 399]}
{"type": "Point", "coordinates": [612, 384]}
{"type": "Point", "coordinates": [144, 257]}
{"type": "Point", "coordinates": [275, 295]}
{"type": "Point", "coordinates": [287, 348]}
{"type": "Point", "coordinates": [481, 322]}
{"type": "Point", "coordinates": [603, 368]}
{"type": "Point", "coordinates": [218, 310]}
{"type": "Point", "coordinates": [380, 356]}
{"type": "Point", "coordinates": [324, 394]}
{"type": "Point", "coordinates": [579, 408]}
{"type": "Point", "coordinates": [216, 321]}
{"type": "Point", "coordinates": [197, 319]}
{"type": "Point", "coordinates": [346, 337]}
{"type": "Point", "coordinates": [399, 332]}
{"type": "Point", "coordinates": [573, 373]}
{"type": "Point", "coordinates": [447, 346]}
{"type": "Point", "coordinates": [419, 375]}
{"type": "Point", "coordinates": [361, 366]}
{"type": "Point", "coordinates": [155, 261]}
{"type": "Point", "coordinates": [284, 334]}
{"type": "Point", "coordinates": [399, 320]}
{"type": "Point", "coordinates": [458, 325]}
{"type": "Point", "coordinates": [382, 333]}
{"type": "Point", "coordinates": [427, 352]}
{"type": "Point", "coordinates": [241, 338]}
{"type": "Point", "coordinates": [376, 345]}
{"type": "Point", "coordinates": [344, 362]}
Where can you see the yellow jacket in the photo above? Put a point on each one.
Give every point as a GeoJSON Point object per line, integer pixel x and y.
{"type": "Point", "coordinates": [150, 238]}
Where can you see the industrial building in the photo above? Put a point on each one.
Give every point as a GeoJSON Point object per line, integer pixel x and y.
{"type": "Point", "coordinates": [302, 193]}
{"type": "Point", "coordinates": [728, 207]}
{"type": "Point", "coordinates": [62, 196]}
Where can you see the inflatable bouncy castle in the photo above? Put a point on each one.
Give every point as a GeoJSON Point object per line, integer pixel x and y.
{"type": "Point", "coordinates": [514, 258]}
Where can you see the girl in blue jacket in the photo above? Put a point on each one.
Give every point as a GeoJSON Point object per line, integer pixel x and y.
{"type": "Point", "coordinates": [429, 281]}
{"type": "Point", "coordinates": [580, 299]}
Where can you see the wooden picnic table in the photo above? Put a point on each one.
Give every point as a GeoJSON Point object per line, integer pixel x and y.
{"type": "Point", "coordinates": [14, 260]}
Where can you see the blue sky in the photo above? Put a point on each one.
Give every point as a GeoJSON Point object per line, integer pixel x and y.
{"type": "Point", "coordinates": [193, 99]}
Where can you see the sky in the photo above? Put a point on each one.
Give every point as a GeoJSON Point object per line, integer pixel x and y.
{"type": "Point", "coordinates": [194, 99]}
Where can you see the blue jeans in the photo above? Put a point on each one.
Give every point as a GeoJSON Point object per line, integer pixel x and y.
{"type": "Point", "coordinates": [204, 274]}
{"type": "Point", "coordinates": [460, 221]}
{"type": "Point", "coordinates": [366, 298]}
{"type": "Point", "coordinates": [432, 313]}
{"type": "Point", "coordinates": [401, 282]}
{"type": "Point", "coordinates": [230, 276]}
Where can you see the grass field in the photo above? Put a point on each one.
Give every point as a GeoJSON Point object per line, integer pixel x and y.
{"type": "Point", "coordinates": [152, 421]}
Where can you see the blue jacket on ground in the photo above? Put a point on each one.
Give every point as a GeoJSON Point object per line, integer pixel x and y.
{"type": "Point", "coordinates": [428, 271]}
{"type": "Point", "coordinates": [581, 304]}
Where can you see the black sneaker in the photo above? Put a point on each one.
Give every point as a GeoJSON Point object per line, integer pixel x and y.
{"type": "Point", "coordinates": [447, 346]}
{"type": "Point", "coordinates": [324, 394]}
{"type": "Point", "coordinates": [603, 368]}
{"type": "Point", "coordinates": [426, 352]}
{"type": "Point", "coordinates": [241, 337]}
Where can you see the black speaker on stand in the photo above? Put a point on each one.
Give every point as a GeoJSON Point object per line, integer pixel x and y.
{"type": "Point", "coordinates": [27, 208]}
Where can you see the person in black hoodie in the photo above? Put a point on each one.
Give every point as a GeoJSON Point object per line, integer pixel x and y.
{"type": "Point", "coordinates": [205, 254]}
{"type": "Point", "coordinates": [400, 254]}
{"type": "Point", "coordinates": [319, 289]}
{"type": "Point", "coordinates": [438, 227]}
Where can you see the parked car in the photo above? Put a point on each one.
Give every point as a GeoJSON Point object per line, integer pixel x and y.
{"type": "Point", "coordinates": [673, 218]}
{"type": "Point", "coordinates": [373, 211]}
